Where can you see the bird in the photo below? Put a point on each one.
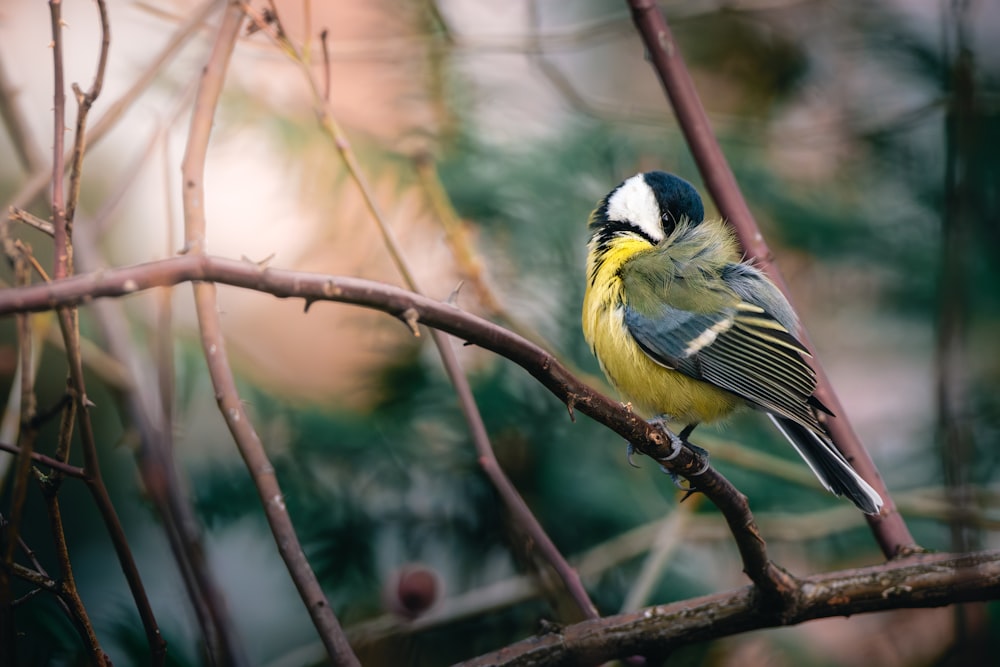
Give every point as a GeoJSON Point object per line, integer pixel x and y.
{"type": "Point", "coordinates": [688, 332]}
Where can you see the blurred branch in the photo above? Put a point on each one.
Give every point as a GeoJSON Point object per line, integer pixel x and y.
{"type": "Point", "coordinates": [40, 178]}
{"type": "Point", "coordinates": [669, 535]}
{"type": "Point", "coordinates": [26, 435]}
{"type": "Point", "coordinates": [963, 180]}
{"type": "Point", "coordinates": [538, 539]}
{"type": "Point", "coordinates": [214, 346]}
{"type": "Point", "coordinates": [919, 582]}
{"type": "Point", "coordinates": [28, 428]}
{"type": "Point", "coordinates": [537, 49]}
{"type": "Point", "coordinates": [102, 219]}
{"type": "Point", "coordinates": [25, 146]}
{"type": "Point", "coordinates": [951, 361]}
{"type": "Point", "coordinates": [888, 527]}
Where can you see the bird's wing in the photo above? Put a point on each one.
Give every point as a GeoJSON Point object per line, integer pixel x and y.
{"type": "Point", "coordinates": [739, 347]}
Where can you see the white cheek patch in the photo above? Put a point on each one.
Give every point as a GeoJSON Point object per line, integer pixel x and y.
{"type": "Point", "coordinates": [634, 202]}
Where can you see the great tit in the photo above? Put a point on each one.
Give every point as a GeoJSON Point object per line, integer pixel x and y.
{"type": "Point", "coordinates": [687, 332]}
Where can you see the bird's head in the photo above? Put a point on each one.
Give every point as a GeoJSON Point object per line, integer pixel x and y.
{"type": "Point", "coordinates": [649, 205]}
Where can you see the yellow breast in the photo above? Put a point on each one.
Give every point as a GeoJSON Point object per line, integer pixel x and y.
{"type": "Point", "coordinates": [652, 389]}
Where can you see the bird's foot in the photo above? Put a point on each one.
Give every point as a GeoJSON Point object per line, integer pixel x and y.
{"type": "Point", "coordinates": [678, 442]}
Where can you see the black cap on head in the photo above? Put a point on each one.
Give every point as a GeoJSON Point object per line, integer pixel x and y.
{"type": "Point", "coordinates": [675, 197]}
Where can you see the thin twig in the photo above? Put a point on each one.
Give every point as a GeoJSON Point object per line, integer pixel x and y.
{"type": "Point", "coordinates": [888, 527]}
{"type": "Point", "coordinates": [28, 429]}
{"type": "Point", "coordinates": [20, 215]}
{"type": "Point", "coordinates": [671, 533]}
{"type": "Point", "coordinates": [213, 344]}
{"type": "Point", "coordinates": [65, 595]}
{"type": "Point", "coordinates": [26, 434]}
{"type": "Point", "coordinates": [84, 101]}
{"type": "Point", "coordinates": [62, 260]}
{"type": "Point", "coordinates": [69, 325]}
{"type": "Point", "coordinates": [29, 257]}
{"type": "Point", "coordinates": [47, 461]}
{"type": "Point", "coordinates": [103, 217]}
{"type": "Point", "coordinates": [60, 239]}
{"type": "Point", "coordinates": [37, 181]}
{"type": "Point", "coordinates": [35, 577]}
{"type": "Point", "coordinates": [68, 589]}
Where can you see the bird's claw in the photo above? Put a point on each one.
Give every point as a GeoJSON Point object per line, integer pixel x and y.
{"type": "Point", "coordinates": [629, 452]}
{"type": "Point", "coordinates": [679, 482]}
{"type": "Point", "coordinates": [676, 445]}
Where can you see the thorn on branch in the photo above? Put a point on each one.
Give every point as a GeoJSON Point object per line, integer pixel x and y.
{"type": "Point", "coordinates": [26, 597]}
{"type": "Point", "coordinates": [690, 492]}
{"type": "Point", "coordinates": [25, 250]}
{"type": "Point", "coordinates": [547, 627]}
{"type": "Point", "coordinates": [268, 17]}
{"type": "Point", "coordinates": [453, 297]}
{"type": "Point", "coordinates": [41, 417]}
{"type": "Point", "coordinates": [262, 264]}
{"type": "Point", "coordinates": [326, 63]}
{"type": "Point", "coordinates": [411, 318]}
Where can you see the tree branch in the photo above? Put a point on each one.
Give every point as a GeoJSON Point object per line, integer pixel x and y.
{"type": "Point", "coordinates": [214, 346]}
{"type": "Point", "coordinates": [406, 306]}
{"type": "Point", "coordinates": [917, 582]}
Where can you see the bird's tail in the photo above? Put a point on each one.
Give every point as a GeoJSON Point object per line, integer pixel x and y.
{"type": "Point", "coordinates": [829, 465]}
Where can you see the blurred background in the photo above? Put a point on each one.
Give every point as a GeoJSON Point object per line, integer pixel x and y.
{"type": "Point", "coordinates": [863, 135]}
